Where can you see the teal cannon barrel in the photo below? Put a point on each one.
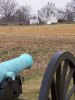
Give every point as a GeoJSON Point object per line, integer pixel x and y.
{"type": "Point", "coordinates": [13, 67]}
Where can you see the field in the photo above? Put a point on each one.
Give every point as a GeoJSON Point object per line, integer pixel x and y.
{"type": "Point", "coordinates": [41, 42]}
{"type": "Point", "coordinates": [41, 29]}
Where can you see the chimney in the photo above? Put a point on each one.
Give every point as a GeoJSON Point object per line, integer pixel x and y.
{"type": "Point", "coordinates": [48, 3]}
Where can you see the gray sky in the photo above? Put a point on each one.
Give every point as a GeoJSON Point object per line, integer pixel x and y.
{"type": "Point", "coordinates": [37, 4]}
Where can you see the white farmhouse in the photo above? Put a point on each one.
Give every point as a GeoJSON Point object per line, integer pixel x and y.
{"type": "Point", "coordinates": [49, 14]}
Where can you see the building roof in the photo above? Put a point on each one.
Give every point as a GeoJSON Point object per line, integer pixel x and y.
{"type": "Point", "coordinates": [53, 6]}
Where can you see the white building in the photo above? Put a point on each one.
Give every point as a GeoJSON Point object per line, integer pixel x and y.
{"type": "Point", "coordinates": [49, 14]}
{"type": "Point", "coordinates": [34, 20]}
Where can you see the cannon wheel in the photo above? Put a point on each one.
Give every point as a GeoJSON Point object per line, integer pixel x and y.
{"type": "Point", "coordinates": [58, 76]}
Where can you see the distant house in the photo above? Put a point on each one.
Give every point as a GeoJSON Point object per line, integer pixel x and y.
{"type": "Point", "coordinates": [50, 14]}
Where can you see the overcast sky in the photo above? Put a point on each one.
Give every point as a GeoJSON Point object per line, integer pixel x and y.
{"type": "Point", "coordinates": [37, 4]}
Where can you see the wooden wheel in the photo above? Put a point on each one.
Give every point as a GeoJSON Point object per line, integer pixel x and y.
{"type": "Point", "coordinates": [57, 78]}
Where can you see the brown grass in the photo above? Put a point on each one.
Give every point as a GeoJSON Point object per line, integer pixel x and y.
{"type": "Point", "coordinates": [43, 29]}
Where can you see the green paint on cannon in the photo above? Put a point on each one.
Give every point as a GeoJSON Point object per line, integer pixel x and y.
{"type": "Point", "coordinates": [12, 67]}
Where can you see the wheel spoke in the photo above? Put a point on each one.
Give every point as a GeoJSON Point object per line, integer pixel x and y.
{"type": "Point", "coordinates": [70, 93]}
{"type": "Point", "coordinates": [53, 90]}
{"type": "Point", "coordinates": [63, 77]}
{"type": "Point", "coordinates": [74, 77]}
{"type": "Point", "coordinates": [48, 98]}
{"type": "Point", "coordinates": [67, 82]}
{"type": "Point", "coordinates": [58, 80]}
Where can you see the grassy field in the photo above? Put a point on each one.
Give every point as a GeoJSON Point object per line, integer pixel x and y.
{"type": "Point", "coordinates": [40, 29]}
{"type": "Point", "coordinates": [41, 42]}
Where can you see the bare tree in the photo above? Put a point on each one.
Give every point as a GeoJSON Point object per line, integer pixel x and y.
{"type": "Point", "coordinates": [23, 13]}
{"type": "Point", "coordinates": [70, 10]}
{"type": "Point", "coordinates": [7, 8]}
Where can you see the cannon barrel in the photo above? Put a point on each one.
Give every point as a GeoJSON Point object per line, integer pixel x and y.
{"type": "Point", "coordinates": [12, 67]}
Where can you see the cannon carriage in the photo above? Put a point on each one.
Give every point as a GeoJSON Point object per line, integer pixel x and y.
{"type": "Point", "coordinates": [56, 81]}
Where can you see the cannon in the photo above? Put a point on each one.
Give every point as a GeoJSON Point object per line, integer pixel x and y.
{"type": "Point", "coordinates": [10, 81]}
{"type": "Point", "coordinates": [56, 81]}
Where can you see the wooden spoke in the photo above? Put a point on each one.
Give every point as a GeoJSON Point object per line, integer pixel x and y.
{"type": "Point", "coordinates": [53, 90]}
{"type": "Point", "coordinates": [67, 82]}
{"type": "Point", "coordinates": [63, 77]}
{"type": "Point", "coordinates": [48, 98]}
{"type": "Point", "coordinates": [70, 93]}
{"type": "Point", "coordinates": [58, 80]}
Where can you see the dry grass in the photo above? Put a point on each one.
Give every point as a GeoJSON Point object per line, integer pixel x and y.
{"type": "Point", "coordinates": [43, 29]}
{"type": "Point", "coordinates": [41, 42]}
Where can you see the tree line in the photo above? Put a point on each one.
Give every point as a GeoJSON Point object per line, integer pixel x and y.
{"type": "Point", "coordinates": [70, 10]}
{"type": "Point", "coordinates": [10, 11]}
